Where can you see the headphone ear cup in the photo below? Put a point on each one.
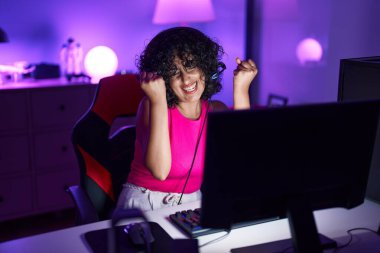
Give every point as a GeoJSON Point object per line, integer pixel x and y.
{"type": "Point", "coordinates": [214, 76]}
{"type": "Point", "coordinates": [220, 70]}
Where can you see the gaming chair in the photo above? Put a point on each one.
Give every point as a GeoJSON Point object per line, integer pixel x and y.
{"type": "Point", "coordinates": [104, 160]}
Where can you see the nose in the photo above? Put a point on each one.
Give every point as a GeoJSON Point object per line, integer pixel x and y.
{"type": "Point", "coordinates": [185, 77]}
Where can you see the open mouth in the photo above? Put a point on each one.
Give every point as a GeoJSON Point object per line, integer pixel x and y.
{"type": "Point", "coordinates": [190, 88]}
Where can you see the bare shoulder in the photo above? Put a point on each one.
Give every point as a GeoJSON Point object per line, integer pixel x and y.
{"type": "Point", "coordinates": [217, 105]}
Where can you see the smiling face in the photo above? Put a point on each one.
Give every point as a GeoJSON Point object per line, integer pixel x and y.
{"type": "Point", "coordinates": [188, 82]}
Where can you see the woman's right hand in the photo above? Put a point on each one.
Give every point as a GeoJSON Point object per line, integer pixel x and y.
{"type": "Point", "coordinates": [153, 126]}
{"type": "Point", "coordinates": [153, 86]}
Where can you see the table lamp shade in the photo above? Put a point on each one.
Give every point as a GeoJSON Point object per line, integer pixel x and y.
{"type": "Point", "coordinates": [183, 11]}
{"type": "Point", "coordinates": [3, 36]}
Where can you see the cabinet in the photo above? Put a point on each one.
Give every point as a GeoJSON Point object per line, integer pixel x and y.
{"type": "Point", "coordinates": [37, 159]}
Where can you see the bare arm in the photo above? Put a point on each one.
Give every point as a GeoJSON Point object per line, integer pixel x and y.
{"type": "Point", "coordinates": [244, 74]}
{"type": "Point", "coordinates": [153, 122]}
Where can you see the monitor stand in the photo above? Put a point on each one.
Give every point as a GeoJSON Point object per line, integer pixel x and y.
{"type": "Point", "coordinates": [305, 237]}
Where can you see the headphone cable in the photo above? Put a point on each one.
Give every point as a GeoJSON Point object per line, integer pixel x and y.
{"type": "Point", "coordinates": [195, 154]}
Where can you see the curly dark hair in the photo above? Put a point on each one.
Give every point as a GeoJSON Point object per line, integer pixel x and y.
{"type": "Point", "coordinates": [193, 48]}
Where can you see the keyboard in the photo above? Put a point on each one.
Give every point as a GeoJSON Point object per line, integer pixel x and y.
{"type": "Point", "coordinates": [189, 222]}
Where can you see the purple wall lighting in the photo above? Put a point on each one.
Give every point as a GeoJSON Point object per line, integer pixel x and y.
{"type": "Point", "coordinates": [344, 29]}
{"type": "Point", "coordinates": [3, 36]}
{"type": "Point", "coordinates": [37, 30]}
{"type": "Point", "coordinates": [309, 50]}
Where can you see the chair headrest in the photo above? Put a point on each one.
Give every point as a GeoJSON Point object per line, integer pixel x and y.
{"type": "Point", "coordinates": [117, 96]}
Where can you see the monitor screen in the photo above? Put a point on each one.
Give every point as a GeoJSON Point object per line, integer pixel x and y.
{"type": "Point", "coordinates": [359, 79]}
{"type": "Point", "coordinates": [259, 161]}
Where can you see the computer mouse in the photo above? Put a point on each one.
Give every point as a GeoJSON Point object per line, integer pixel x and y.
{"type": "Point", "coordinates": [139, 233]}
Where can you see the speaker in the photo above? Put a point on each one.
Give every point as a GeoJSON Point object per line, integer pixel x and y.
{"type": "Point", "coordinates": [46, 71]}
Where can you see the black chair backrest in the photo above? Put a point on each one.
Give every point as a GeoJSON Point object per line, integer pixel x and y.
{"type": "Point", "coordinates": [105, 160]}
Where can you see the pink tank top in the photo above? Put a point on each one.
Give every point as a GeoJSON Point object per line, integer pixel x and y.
{"type": "Point", "coordinates": [183, 134]}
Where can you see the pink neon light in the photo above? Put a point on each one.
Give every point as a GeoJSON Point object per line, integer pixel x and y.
{"type": "Point", "coordinates": [309, 50]}
{"type": "Point", "coordinates": [183, 11]}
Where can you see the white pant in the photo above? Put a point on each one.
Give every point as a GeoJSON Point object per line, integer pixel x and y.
{"type": "Point", "coordinates": [133, 196]}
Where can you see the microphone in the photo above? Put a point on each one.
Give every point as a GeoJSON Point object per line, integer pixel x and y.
{"type": "Point", "coordinates": [216, 75]}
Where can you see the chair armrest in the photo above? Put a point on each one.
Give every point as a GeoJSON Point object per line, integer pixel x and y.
{"type": "Point", "coordinates": [85, 210]}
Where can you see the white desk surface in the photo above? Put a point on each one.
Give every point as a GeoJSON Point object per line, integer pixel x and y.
{"type": "Point", "coordinates": [332, 222]}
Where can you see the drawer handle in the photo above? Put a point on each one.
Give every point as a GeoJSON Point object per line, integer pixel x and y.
{"type": "Point", "coordinates": [64, 148]}
{"type": "Point", "coordinates": [62, 108]}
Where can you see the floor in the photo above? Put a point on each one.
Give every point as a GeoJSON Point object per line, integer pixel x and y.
{"type": "Point", "coordinates": [10, 230]}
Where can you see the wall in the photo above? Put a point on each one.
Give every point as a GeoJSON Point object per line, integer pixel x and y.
{"type": "Point", "coordinates": [345, 28]}
{"type": "Point", "coordinates": [37, 30]}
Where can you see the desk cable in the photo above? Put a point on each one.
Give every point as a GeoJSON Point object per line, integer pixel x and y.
{"type": "Point", "coordinates": [349, 232]}
{"type": "Point", "coordinates": [339, 247]}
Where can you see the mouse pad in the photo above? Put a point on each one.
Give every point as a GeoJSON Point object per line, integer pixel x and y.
{"type": "Point", "coordinates": [97, 240]}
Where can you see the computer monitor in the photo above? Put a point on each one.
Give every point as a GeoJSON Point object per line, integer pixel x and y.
{"type": "Point", "coordinates": [359, 79]}
{"type": "Point", "coordinates": [287, 162]}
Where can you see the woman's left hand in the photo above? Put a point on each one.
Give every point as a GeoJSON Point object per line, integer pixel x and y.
{"type": "Point", "coordinates": [244, 74]}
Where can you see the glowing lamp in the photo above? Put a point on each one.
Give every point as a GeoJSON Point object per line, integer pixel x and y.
{"type": "Point", "coordinates": [183, 11]}
{"type": "Point", "coordinates": [309, 50]}
{"type": "Point", "coordinates": [100, 61]}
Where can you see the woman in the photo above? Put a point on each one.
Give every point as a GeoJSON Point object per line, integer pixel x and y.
{"type": "Point", "coordinates": [179, 72]}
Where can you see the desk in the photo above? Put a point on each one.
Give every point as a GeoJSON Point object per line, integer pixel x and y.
{"type": "Point", "coordinates": [332, 222]}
